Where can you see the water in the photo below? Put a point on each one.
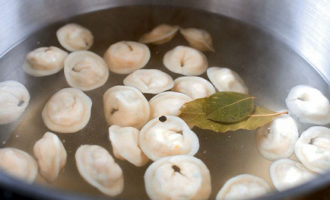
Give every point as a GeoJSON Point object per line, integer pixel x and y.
{"type": "Point", "coordinates": [268, 67]}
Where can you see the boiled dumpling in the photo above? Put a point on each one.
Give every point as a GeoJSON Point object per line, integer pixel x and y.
{"type": "Point", "coordinates": [126, 56]}
{"type": "Point", "coordinates": [151, 81]}
{"type": "Point", "coordinates": [14, 99]}
{"type": "Point", "coordinates": [67, 111]}
{"type": "Point", "coordinates": [51, 155]}
{"type": "Point", "coordinates": [99, 169]}
{"type": "Point", "coordinates": [44, 61]}
{"type": "Point", "coordinates": [74, 37]}
{"type": "Point", "coordinates": [125, 145]}
{"type": "Point", "coordinates": [178, 177]}
{"type": "Point", "coordinates": [167, 103]}
{"type": "Point", "coordinates": [244, 186]}
{"type": "Point", "coordinates": [286, 173]}
{"type": "Point", "coordinates": [225, 79]}
{"type": "Point", "coordinates": [313, 149]}
{"type": "Point", "coordinates": [198, 38]}
{"type": "Point", "coordinates": [125, 106]}
{"type": "Point", "coordinates": [185, 60]}
{"type": "Point", "coordinates": [167, 136]}
{"type": "Point", "coordinates": [160, 34]}
{"type": "Point", "coordinates": [18, 163]}
{"type": "Point", "coordinates": [85, 70]}
{"type": "Point", "coordinates": [193, 86]}
{"type": "Point", "coordinates": [309, 105]}
{"type": "Point", "coordinates": [277, 139]}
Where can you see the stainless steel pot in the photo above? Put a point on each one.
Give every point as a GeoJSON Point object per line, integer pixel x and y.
{"type": "Point", "coordinates": [295, 31]}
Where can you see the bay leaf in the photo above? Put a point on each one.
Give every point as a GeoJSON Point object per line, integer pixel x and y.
{"type": "Point", "coordinates": [228, 107]}
{"type": "Point", "coordinates": [193, 114]}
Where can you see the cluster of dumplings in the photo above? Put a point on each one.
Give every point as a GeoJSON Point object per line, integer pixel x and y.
{"type": "Point", "coordinates": [142, 130]}
{"type": "Point", "coordinates": [280, 139]}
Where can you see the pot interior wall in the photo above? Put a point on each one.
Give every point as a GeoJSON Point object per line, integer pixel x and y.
{"type": "Point", "coordinates": [268, 67]}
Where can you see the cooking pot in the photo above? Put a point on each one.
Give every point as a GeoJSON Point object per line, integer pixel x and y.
{"type": "Point", "coordinates": [273, 44]}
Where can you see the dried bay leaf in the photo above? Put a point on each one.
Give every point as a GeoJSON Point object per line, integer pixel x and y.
{"type": "Point", "coordinates": [228, 107]}
{"type": "Point", "coordinates": [193, 114]}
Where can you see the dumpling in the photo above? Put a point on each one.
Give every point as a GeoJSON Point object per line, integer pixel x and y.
{"type": "Point", "coordinates": [225, 79]}
{"type": "Point", "coordinates": [125, 145]}
{"type": "Point", "coordinates": [14, 99]}
{"type": "Point", "coordinates": [125, 106]}
{"type": "Point", "coordinates": [67, 111]}
{"type": "Point", "coordinates": [44, 61]}
{"type": "Point", "coordinates": [74, 37]}
{"type": "Point", "coordinates": [151, 81]}
{"type": "Point", "coordinates": [178, 177]}
{"type": "Point", "coordinates": [286, 173]}
{"type": "Point", "coordinates": [126, 56]}
{"type": "Point", "coordinates": [198, 38]}
{"type": "Point", "coordinates": [309, 105]}
{"type": "Point", "coordinates": [185, 60]}
{"type": "Point", "coordinates": [160, 34]}
{"type": "Point", "coordinates": [99, 169]}
{"type": "Point", "coordinates": [51, 155]}
{"type": "Point", "coordinates": [85, 70]}
{"type": "Point", "coordinates": [18, 163]}
{"type": "Point", "coordinates": [244, 186]}
{"type": "Point", "coordinates": [167, 103]}
{"type": "Point", "coordinates": [313, 149]}
{"type": "Point", "coordinates": [167, 136]}
{"type": "Point", "coordinates": [277, 139]}
{"type": "Point", "coordinates": [193, 86]}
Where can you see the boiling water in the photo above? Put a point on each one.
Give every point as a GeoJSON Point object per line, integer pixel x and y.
{"type": "Point", "coordinates": [268, 67]}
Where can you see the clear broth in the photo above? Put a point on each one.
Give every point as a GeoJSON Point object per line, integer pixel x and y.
{"type": "Point", "coordinates": [268, 67]}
